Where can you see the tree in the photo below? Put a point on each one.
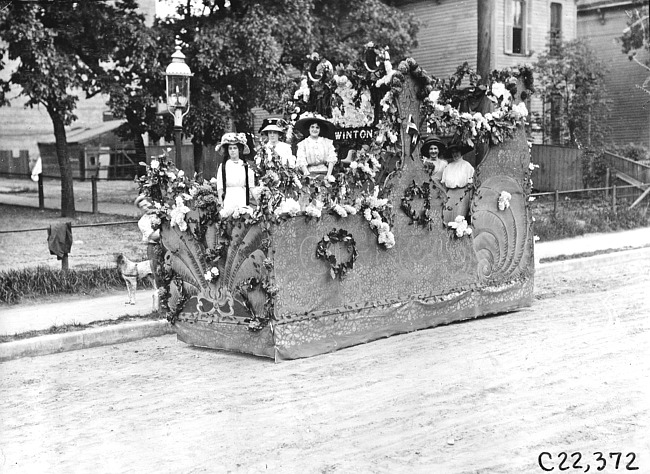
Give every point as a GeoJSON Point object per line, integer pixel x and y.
{"type": "Point", "coordinates": [637, 37]}
{"type": "Point", "coordinates": [570, 82]}
{"type": "Point", "coordinates": [63, 49]}
{"type": "Point", "coordinates": [135, 80]}
{"type": "Point", "coordinates": [243, 52]}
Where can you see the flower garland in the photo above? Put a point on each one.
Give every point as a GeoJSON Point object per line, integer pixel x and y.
{"type": "Point", "coordinates": [424, 217]}
{"type": "Point", "coordinates": [337, 269]}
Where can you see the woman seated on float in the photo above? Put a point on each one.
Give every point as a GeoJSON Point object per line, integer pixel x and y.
{"type": "Point", "coordinates": [235, 179]}
{"type": "Point", "coordinates": [316, 154]}
{"type": "Point", "coordinates": [431, 150]}
{"type": "Point", "coordinates": [458, 173]}
{"type": "Point", "coordinates": [271, 130]}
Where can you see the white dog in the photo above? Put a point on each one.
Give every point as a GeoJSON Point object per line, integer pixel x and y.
{"type": "Point", "coordinates": [132, 272]}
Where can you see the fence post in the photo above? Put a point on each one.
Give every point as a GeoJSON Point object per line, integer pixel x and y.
{"type": "Point", "coordinates": [64, 262]}
{"type": "Point", "coordinates": [607, 180]}
{"type": "Point", "coordinates": [556, 198]}
{"type": "Point", "coordinates": [93, 185]}
{"type": "Point", "coordinates": [41, 195]}
{"type": "Point", "coordinates": [614, 199]}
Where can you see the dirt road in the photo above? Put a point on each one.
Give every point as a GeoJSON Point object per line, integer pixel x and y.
{"type": "Point", "coordinates": [571, 374]}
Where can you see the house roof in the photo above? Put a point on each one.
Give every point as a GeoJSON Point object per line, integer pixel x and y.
{"type": "Point", "coordinates": [80, 135]}
{"type": "Point", "coordinates": [585, 5]}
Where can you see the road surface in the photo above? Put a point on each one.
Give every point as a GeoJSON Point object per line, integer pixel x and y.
{"type": "Point", "coordinates": [569, 375]}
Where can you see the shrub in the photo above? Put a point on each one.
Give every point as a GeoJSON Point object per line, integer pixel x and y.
{"type": "Point", "coordinates": [16, 285]}
{"type": "Point", "coordinates": [633, 151]}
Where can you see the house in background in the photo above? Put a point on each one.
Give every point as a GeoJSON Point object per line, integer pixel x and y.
{"type": "Point", "coordinates": [600, 22]}
{"type": "Point", "coordinates": [521, 30]}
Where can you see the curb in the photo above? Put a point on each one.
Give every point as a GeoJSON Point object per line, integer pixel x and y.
{"type": "Point", "coordinates": [71, 341]}
{"type": "Point", "coordinates": [596, 261]}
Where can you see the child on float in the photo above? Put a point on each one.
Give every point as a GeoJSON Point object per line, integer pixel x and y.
{"type": "Point", "coordinates": [235, 179]}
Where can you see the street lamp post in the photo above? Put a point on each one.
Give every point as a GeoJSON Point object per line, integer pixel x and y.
{"type": "Point", "coordinates": [177, 78]}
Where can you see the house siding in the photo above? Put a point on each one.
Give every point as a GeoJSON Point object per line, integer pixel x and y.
{"type": "Point", "coordinates": [630, 107]}
{"type": "Point", "coordinates": [448, 34]}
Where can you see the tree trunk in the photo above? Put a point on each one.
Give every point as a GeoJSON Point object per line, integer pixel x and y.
{"type": "Point", "coordinates": [62, 154]}
{"type": "Point", "coordinates": [197, 149]}
{"type": "Point", "coordinates": [138, 141]}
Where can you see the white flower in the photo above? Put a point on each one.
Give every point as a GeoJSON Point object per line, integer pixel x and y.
{"type": "Point", "coordinates": [531, 198]}
{"type": "Point", "coordinates": [213, 181]}
{"type": "Point", "coordinates": [349, 209]}
{"type": "Point", "coordinates": [499, 91]}
{"type": "Point", "coordinates": [181, 173]}
{"type": "Point", "coordinates": [520, 110]}
{"type": "Point", "coordinates": [225, 212]}
{"type": "Point", "coordinates": [354, 165]}
{"type": "Point", "coordinates": [155, 164]}
{"type": "Point", "coordinates": [387, 239]}
{"type": "Point", "coordinates": [532, 166]}
{"type": "Point", "coordinates": [211, 274]}
{"type": "Point", "coordinates": [331, 178]}
{"type": "Point", "coordinates": [461, 226]}
{"type": "Point", "coordinates": [177, 214]}
{"type": "Point", "coordinates": [367, 214]}
{"type": "Point", "coordinates": [339, 210]}
{"type": "Point", "coordinates": [433, 96]}
{"type": "Point", "coordinates": [504, 200]}
{"type": "Point", "coordinates": [288, 206]}
{"type": "Point", "coordinates": [535, 238]}
{"type": "Point", "coordinates": [313, 210]}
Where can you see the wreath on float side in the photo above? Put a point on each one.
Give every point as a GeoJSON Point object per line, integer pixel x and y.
{"type": "Point", "coordinates": [337, 269]}
{"type": "Point", "coordinates": [258, 322]}
{"type": "Point", "coordinates": [423, 217]}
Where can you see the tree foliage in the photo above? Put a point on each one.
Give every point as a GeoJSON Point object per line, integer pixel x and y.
{"type": "Point", "coordinates": [62, 48]}
{"type": "Point", "coordinates": [571, 84]}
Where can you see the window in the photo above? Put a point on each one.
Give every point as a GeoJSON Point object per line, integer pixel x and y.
{"type": "Point", "coordinates": [556, 27]}
{"type": "Point", "coordinates": [518, 16]}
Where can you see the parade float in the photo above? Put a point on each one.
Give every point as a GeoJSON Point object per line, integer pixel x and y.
{"type": "Point", "coordinates": [379, 247]}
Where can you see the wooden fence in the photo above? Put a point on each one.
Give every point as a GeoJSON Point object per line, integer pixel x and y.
{"type": "Point", "coordinates": [560, 168]}
{"type": "Point", "coordinates": [631, 172]}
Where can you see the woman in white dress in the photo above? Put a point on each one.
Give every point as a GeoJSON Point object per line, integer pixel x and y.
{"type": "Point", "coordinates": [272, 129]}
{"type": "Point", "coordinates": [432, 148]}
{"type": "Point", "coordinates": [456, 177]}
{"type": "Point", "coordinates": [458, 173]}
{"type": "Point", "coordinates": [235, 179]}
{"type": "Point", "coordinates": [316, 154]}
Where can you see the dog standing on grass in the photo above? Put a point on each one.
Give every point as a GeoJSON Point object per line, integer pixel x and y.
{"type": "Point", "coordinates": [134, 271]}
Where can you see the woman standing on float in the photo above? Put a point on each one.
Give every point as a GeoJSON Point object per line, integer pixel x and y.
{"type": "Point", "coordinates": [235, 178]}
{"type": "Point", "coordinates": [316, 155]}
{"type": "Point", "coordinates": [273, 128]}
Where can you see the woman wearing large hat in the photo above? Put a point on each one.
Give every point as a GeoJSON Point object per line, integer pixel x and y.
{"type": "Point", "coordinates": [316, 154]}
{"type": "Point", "coordinates": [431, 151]}
{"type": "Point", "coordinates": [273, 129]}
{"type": "Point", "coordinates": [235, 178]}
{"type": "Point", "coordinates": [458, 173]}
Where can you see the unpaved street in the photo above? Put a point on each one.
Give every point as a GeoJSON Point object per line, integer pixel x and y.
{"type": "Point", "coordinates": [571, 374]}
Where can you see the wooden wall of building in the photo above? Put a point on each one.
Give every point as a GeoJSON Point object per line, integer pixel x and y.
{"type": "Point", "coordinates": [630, 107]}
{"type": "Point", "coordinates": [560, 168]}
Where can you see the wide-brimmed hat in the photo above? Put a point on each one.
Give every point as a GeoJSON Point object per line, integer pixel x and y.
{"type": "Point", "coordinates": [327, 128]}
{"type": "Point", "coordinates": [232, 138]}
{"type": "Point", "coordinates": [273, 125]}
{"type": "Point", "coordinates": [429, 142]}
{"type": "Point", "coordinates": [463, 148]}
{"type": "Point", "coordinates": [140, 199]}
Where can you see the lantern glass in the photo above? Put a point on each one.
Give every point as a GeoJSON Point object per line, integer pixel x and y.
{"type": "Point", "coordinates": [178, 92]}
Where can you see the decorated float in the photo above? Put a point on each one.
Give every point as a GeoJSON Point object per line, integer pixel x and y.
{"type": "Point", "coordinates": [381, 244]}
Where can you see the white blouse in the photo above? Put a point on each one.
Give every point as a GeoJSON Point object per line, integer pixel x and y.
{"type": "Point", "coordinates": [316, 154]}
{"type": "Point", "coordinates": [284, 152]}
{"type": "Point", "coordinates": [458, 174]}
{"type": "Point", "coordinates": [235, 183]}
